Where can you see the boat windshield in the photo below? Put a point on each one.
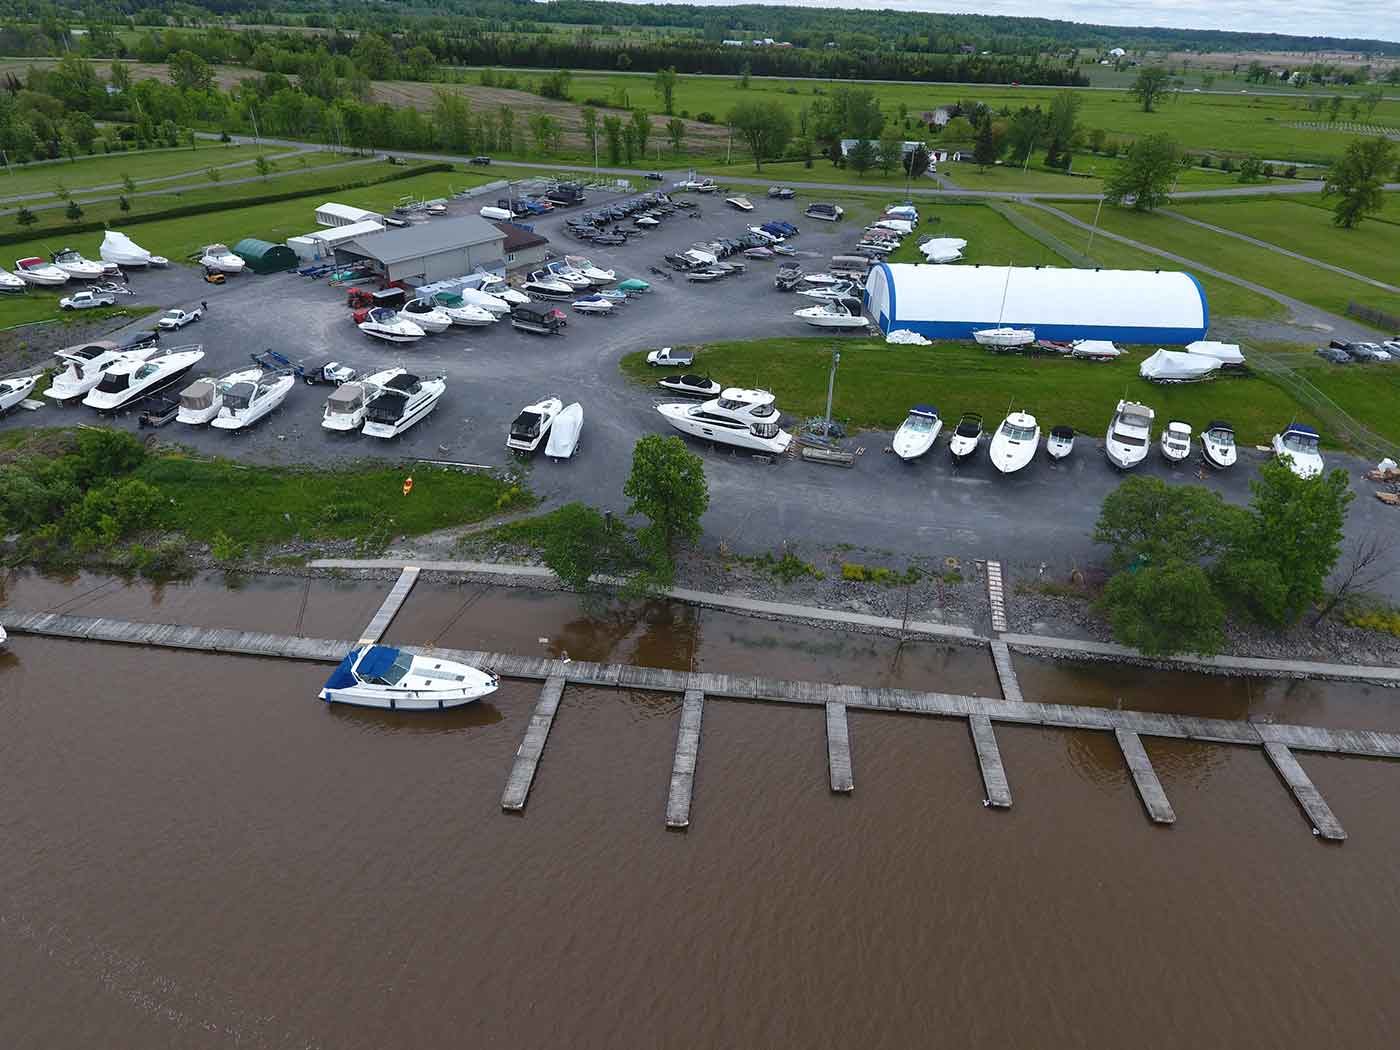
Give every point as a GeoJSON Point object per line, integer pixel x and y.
{"type": "Point", "coordinates": [1129, 439]}
{"type": "Point", "coordinates": [394, 673]}
{"type": "Point", "coordinates": [1223, 437]}
{"type": "Point", "coordinates": [1015, 433]}
{"type": "Point", "coordinates": [1304, 443]}
{"type": "Point", "coordinates": [919, 423]}
{"type": "Point", "coordinates": [1134, 418]}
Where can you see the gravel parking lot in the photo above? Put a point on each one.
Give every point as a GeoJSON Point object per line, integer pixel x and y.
{"type": "Point", "coordinates": [1042, 515]}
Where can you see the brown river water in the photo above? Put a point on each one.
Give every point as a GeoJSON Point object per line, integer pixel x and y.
{"type": "Point", "coordinates": [195, 853]}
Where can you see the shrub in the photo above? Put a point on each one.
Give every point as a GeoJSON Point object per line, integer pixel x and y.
{"type": "Point", "coordinates": [705, 117]}
{"type": "Point", "coordinates": [225, 548]}
{"type": "Point", "coordinates": [1384, 620]}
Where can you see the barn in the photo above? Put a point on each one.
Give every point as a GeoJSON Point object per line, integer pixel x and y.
{"type": "Point", "coordinates": [1165, 308]}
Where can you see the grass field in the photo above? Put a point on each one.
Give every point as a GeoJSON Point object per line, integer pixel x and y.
{"type": "Point", "coordinates": [108, 169]}
{"type": "Point", "coordinates": [990, 238]}
{"type": "Point", "coordinates": [1372, 248]}
{"type": "Point", "coordinates": [876, 384]}
{"type": "Point", "coordinates": [41, 306]}
{"type": "Point", "coordinates": [1310, 284]}
{"type": "Point", "coordinates": [1370, 393]}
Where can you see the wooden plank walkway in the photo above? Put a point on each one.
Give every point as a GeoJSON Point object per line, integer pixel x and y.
{"type": "Point", "coordinates": [838, 748]}
{"type": "Point", "coordinates": [687, 753]}
{"type": "Point", "coordinates": [1006, 671]}
{"type": "Point", "coordinates": [527, 756]}
{"type": "Point", "coordinates": [996, 596]}
{"type": "Point", "coordinates": [984, 738]}
{"type": "Point", "coordinates": [1324, 821]}
{"type": "Point", "coordinates": [393, 602]}
{"type": "Point", "coordinates": [1145, 777]}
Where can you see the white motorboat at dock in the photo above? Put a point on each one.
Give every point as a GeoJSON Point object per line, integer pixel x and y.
{"type": "Point", "coordinates": [396, 680]}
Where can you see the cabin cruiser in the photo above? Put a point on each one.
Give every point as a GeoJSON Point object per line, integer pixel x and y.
{"type": "Point", "coordinates": [1218, 444]}
{"type": "Point", "coordinates": [1176, 442]}
{"type": "Point", "coordinates": [741, 203]}
{"type": "Point", "coordinates": [690, 385]}
{"type": "Point", "coordinates": [10, 283]}
{"type": "Point", "coordinates": [917, 433]}
{"type": "Point", "coordinates": [427, 315]}
{"type": "Point", "coordinates": [86, 366]}
{"type": "Point", "coordinates": [563, 435]}
{"type": "Point", "coordinates": [345, 408]}
{"type": "Point", "coordinates": [1060, 443]}
{"type": "Point", "coordinates": [530, 428]}
{"type": "Point", "coordinates": [35, 271]}
{"type": "Point", "coordinates": [548, 285]}
{"type": "Point", "coordinates": [497, 287]}
{"type": "Point", "coordinates": [646, 221]}
{"type": "Point", "coordinates": [843, 290]}
{"type": "Point", "coordinates": [74, 265]}
{"type": "Point", "coordinates": [1004, 338]}
{"type": "Point", "coordinates": [566, 273]}
{"type": "Point", "coordinates": [493, 304]}
{"type": "Point", "coordinates": [823, 279]}
{"type": "Point", "coordinates": [247, 401]}
{"type": "Point", "coordinates": [593, 304]}
{"type": "Point", "coordinates": [384, 677]}
{"type": "Point", "coordinates": [746, 419]}
{"type": "Point", "coordinates": [596, 274]}
{"type": "Point", "coordinates": [218, 258]}
{"type": "Point", "coordinates": [401, 402]}
{"type": "Point", "coordinates": [1015, 442]}
{"type": "Point", "coordinates": [201, 400]}
{"type": "Point", "coordinates": [831, 315]}
{"type": "Point", "coordinates": [1299, 444]}
{"type": "Point", "coordinates": [384, 323]}
{"type": "Point", "coordinates": [472, 315]}
{"type": "Point", "coordinates": [966, 436]}
{"type": "Point", "coordinates": [1129, 432]}
{"type": "Point", "coordinates": [120, 249]}
{"type": "Point", "coordinates": [16, 389]}
{"type": "Point", "coordinates": [759, 252]}
{"type": "Point", "coordinates": [129, 380]}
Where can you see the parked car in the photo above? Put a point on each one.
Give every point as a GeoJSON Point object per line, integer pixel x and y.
{"type": "Point", "coordinates": [479, 160]}
{"type": "Point", "coordinates": [87, 300]}
{"type": "Point", "coordinates": [1367, 352]}
{"type": "Point", "coordinates": [668, 356]}
{"type": "Point", "coordinates": [179, 318]}
{"type": "Point", "coordinates": [654, 176]}
{"type": "Point", "coordinates": [1331, 353]}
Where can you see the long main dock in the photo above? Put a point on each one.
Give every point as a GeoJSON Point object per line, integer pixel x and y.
{"type": "Point", "coordinates": [1279, 741]}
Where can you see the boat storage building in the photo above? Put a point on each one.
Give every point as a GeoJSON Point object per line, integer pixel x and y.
{"type": "Point", "coordinates": [333, 214]}
{"type": "Point", "coordinates": [1161, 307]}
{"type": "Point", "coordinates": [430, 251]}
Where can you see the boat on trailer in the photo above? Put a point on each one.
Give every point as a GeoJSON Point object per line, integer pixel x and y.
{"type": "Point", "coordinates": [395, 680]}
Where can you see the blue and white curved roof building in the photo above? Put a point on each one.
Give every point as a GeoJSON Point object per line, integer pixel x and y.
{"type": "Point", "coordinates": [1162, 307]}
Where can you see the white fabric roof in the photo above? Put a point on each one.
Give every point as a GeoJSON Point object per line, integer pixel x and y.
{"type": "Point", "coordinates": [1228, 353]}
{"type": "Point", "coordinates": [345, 211]}
{"type": "Point", "coordinates": [336, 234]}
{"type": "Point", "coordinates": [1167, 365]}
{"type": "Point", "coordinates": [943, 249]}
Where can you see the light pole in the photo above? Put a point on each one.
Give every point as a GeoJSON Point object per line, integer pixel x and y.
{"type": "Point", "coordinates": [830, 390]}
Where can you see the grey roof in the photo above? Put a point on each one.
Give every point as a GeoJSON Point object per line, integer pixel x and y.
{"type": "Point", "coordinates": [427, 238]}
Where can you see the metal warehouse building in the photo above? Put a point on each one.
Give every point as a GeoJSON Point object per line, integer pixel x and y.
{"type": "Point", "coordinates": [1166, 308]}
{"type": "Point", "coordinates": [432, 251]}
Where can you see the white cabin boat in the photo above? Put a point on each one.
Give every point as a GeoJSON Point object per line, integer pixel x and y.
{"type": "Point", "coordinates": [427, 315]}
{"type": "Point", "coordinates": [531, 427]}
{"type": "Point", "coordinates": [1015, 442]}
{"type": "Point", "coordinates": [1218, 444]}
{"type": "Point", "coordinates": [85, 367]}
{"type": "Point", "coordinates": [248, 401]}
{"type": "Point", "coordinates": [129, 380]}
{"type": "Point", "coordinates": [16, 389]}
{"type": "Point", "coordinates": [746, 419]}
{"type": "Point", "coordinates": [545, 285]}
{"type": "Point", "coordinates": [1298, 447]}
{"type": "Point", "coordinates": [10, 283]}
{"type": "Point", "coordinates": [596, 274]}
{"type": "Point", "coordinates": [1176, 442]}
{"type": "Point", "coordinates": [75, 266]}
{"type": "Point", "coordinates": [492, 304]}
{"type": "Point", "coordinates": [564, 434]}
{"type": "Point", "coordinates": [573, 278]}
{"type": "Point", "coordinates": [966, 436]}
{"type": "Point", "coordinates": [384, 323]}
{"type": "Point", "coordinates": [201, 400]}
{"type": "Point", "coordinates": [741, 203]}
{"type": "Point", "coordinates": [593, 304]}
{"type": "Point", "coordinates": [220, 259]}
{"type": "Point", "coordinates": [1129, 434]}
{"type": "Point", "coordinates": [400, 403]}
{"type": "Point", "coordinates": [473, 315]}
{"type": "Point", "coordinates": [1060, 443]}
{"type": "Point", "coordinates": [831, 314]}
{"type": "Point", "coordinates": [917, 433]}
{"type": "Point", "coordinates": [1004, 338]}
{"type": "Point", "coordinates": [36, 271]}
{"type": "Point", "coordinates": [828, 292]}
{"type": "Point", "coordinates": [392, 679]}
{"type": "Point", "coordinates": [345, 408]}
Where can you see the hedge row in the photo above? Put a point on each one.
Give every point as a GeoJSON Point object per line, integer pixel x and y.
{"type": "Point", "coordinates": [183, 210]}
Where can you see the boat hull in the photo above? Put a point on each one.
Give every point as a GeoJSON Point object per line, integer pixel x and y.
{"type": "Point", "coordinates": [417, 415]}
{"type": "Point", "coordinates": [1216, 457]}
{"type": "Point", "coordinates": [106, 403]}
{"type": "Point", "coordinates": [746, 439]}
{"type": "Point", "coordinates": [1009, 460]}
{"type": "Point", "coordinates": [389, 337]}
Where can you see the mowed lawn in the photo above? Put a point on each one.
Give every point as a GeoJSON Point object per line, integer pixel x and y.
{"type": "Point", "coordinates": [990, 238]}
{"type": "Point", "coordinates": [1367, 392]}
{"type": "Point", "coordinates": [109, 169]}
{"type": "Point", "coordinates": [876, 384]}
{"type": "Point", "coordinates": [1224, 298]}
{"type": "Point", "coordinates": [1310, 284]}
{"type": "Point", "coordinates": [1372, 248]}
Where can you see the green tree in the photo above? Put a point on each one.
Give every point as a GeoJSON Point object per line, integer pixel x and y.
{"type": "Point", "coordinates": [373, 56]}
{"type": "Point", "coordinates": [1165, 609]}
{"type": "Point", "coordinates": [73, 211]}
{"type": "Point", "coordinates": [544, 129]}
{"type": "Point", "coordinates": [1151, 84]}
{"type": "Point", "coordinates": [262, 165]}
{"type": "Point", "coordinates": [1062, 128]}
{"type": "Point", "coordinates": [958, 130]}
{"type": "Point", "coordinates": [189, 72]}
{"type": "Point", "coordinates": [745, 75]}
{"type": "Point", "coordinates": [764, 125]}
{"type": "Point", "coordinates": [890, 152]}
{"type": "Point", "coordinates": [664, 83]}
{"type": "Point", "coordinates": [578, 545]}
{"type": "Point", "coordinates": [26, 218]}
{"type": "Point", "coordinates": [861, 157]}
{"type": "Point", "coordinates": [984, 148]}
{"type": "Point", "coordinates": [1024, 132]}
{"type": "Point", "coordinates": [213, 174]}
{"type": "Point", "coordinates": [667, 486]}
{"type": "Point", "coordinates": [1147, 520]}
{"type": "Point", "coordinates": [505, 118]}
{"type": "Point", "coordinates": [1251, 169]}
{"type": "Point", "coordinates": [1145, 174]}
{"type": "Point", "coordinates": [612, 130]}
{"type": "Point", "coordinates": [120, 76]}
{"type": "Point", "coordinates": [675, 131]}
{"type": "Point", "coordinates": [419, 63]}
{"type": "Point", "coordinates": [589, 116]}
{"type": "Point", "coordinates": [1358, 180]}
{"type": "Point", "coordinates": [916, 162]}
{"type": "Point", "coordinates": [123, 203]}
{"type": "Point", "coordinates": [641, 129]}
{"type": "Point", "coordinates": [1334, 106]}
{"type": "Point", "coordinates": [128, 184]}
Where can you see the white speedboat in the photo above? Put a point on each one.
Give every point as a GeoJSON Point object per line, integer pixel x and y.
{"type": "Point", "coordinates": [85, 366]}
{"type": "Point", "coordinates": [129, 380]}
{"type": "Point", "coordinates": [1060, 443]}
{"type": "Point", "coordinates": [471, 315]}
{"type": "Point", "coordinates": [497, 287]}
{"type": "Point", "coordinates": [120, 249]}
{"type": "Point", "coordinates": [593, 304]}
{"type": "Point", "coordinates": [427, 316]}
{"type": "Point", "coordinates": [220, 259]}
{"type": "Point", "coordinates": [530, 428]}
{"type": "Point", "coordinates": [563, 435]}
{"type": "Point", "coordinates": [384, 677]}
{"type": "Point", "coordinates": [1176, 442]}
{"type": "Point", "coordinates": [831, 315]}
{"type": "Point", "coordinates": [1004, 338]}
{"type": "Point", "coordinates": [384, 323]}
{"type": "Point", "coordinates": [917, 433]}
{"type": "Point", "coordinates": [596, 274]}
{"type": "Point", "coordinates": [741, 203]}
{"type": "Point", "coordinates": [690, 385]}
{"type": "Point", "coordinates": [201, 400]}
{"type": "Point", "coordinates": [246, 402]}
{"type": "Point", "coordinates": [1218, 444]}
{"type": "Point", "coordinates": [646, 221]}
{"type": "Point", "coordinates": [16, 389]}
{"type": "Point", "coordinates": [1015, 442]}
{"type": "Point", "coordinates": [1129, 433]}
{"type": "Point", "coordinates": [545, 285]}
{"type": "Point", "coordinates": [10, 283]}
{"type": "Point", "coordinates": [569, 275]}
{"type": "Point", "coordinates": [35, 270]}
{"type": "Point", "coordinates": [823, 279]}
{"type": "Point", "coordinates": [1297, 446]}
{"type": "Point", "coordinates": [493, 304]}
{"type": "Point", "coordinates": [75, 266]}
{"type": "Point", "coordinates": [746, 419]}
{"type": "Point", "coordinates": [966, 436]}
{"type": "Point", "coordinates": [828, 292]}
{"type": "Point", "coordinates": [401, 402]}
{"type": "Point", "coordinates": [345, 408]}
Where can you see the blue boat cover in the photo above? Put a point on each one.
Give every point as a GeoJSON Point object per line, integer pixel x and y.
{"type": "Point", "coordinates": [925, 409]}
{"type": "Point", "coordinates": [341, 678]}
{"type": "Point", "coordinates": [1298, 428]}
{"type": "Point", "coordinates": [378, 659]}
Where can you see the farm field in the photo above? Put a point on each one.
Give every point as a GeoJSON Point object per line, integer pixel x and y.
{"type": "Point", "coordinates": [86, 173]}
{"type": "Point", "coordinates": [990, 238]}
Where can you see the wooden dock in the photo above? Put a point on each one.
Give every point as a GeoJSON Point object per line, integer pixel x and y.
{"type": "Point", "coordinates": [984, 739]}
{"type": "Point", "coordinates": [1324, 822]}
{"type": "Point", "coordinates": [393, 602]}
{"type": "Point", "coordinates": [527, 755]}
{"type": "Point", "coordinates": [838, 748]}
{"type": "Point", "coordinates": [996, 597]}
{"type": "Point", "coordinates": [687, 754]}
{"type": "Point", "coordinates": [1145, 777]}
{"type": "Point", "coordinates": [1006, 671]}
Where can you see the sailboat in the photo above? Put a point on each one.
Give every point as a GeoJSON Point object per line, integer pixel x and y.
{"type": "Point", "coordinates": [1002, 336]}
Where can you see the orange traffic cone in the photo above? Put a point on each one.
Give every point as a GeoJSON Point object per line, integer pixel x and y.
{"type": "Point", "coordinates": [407, 486]}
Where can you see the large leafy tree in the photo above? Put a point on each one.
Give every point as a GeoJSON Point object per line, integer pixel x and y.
{"type": "Point", "coordinates": [1151, 84]}
{"type": "Point", "coordinates": [1144, 176]}
{"type": "Point", "coordinates": [664, 83]}
{"type": "Point", "coordinates": [764, 125]}
{"type": "Point", "coordinates": [667, 486]}
{"type": "Point", "coordinates": [1165, 609]}
{"type": "Point", "coordinates": [1146, 520]}
{"type": "Point", "coordinates": [1358, 180]}
{"type": "Point", "coordinates": [1062, 128]}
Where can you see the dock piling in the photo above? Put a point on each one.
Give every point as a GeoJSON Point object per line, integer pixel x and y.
{"type": "Point", "coordinates": [687, 754]}
{"type": "Point", "coordinates": [838, 748]}
{"type": "Point", "coordinates": [1324, 821]}
{"type": "Point", "coordinates": [527, 756]}
{"type": "Point", "coordinates": [1145, 777]}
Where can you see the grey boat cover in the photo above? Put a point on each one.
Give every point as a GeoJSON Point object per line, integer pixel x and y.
{"type": "Point", "coordinates": [198, 395]}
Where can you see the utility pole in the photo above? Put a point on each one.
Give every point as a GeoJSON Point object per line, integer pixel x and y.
{"type": "Point", "coordinates": [830, 390]}
{"type": "Point", "coordinates": [729, 150]}
{"type": "Point", "coordinates": [1089, 247]}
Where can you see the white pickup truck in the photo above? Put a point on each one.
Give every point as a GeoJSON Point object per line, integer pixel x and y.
{"type": "Point", "coordinates": [87, 300]}
{"type": "Point", "coordinates": [667, 356]}
{"type": "Point", "coordinates": [179, 318]}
